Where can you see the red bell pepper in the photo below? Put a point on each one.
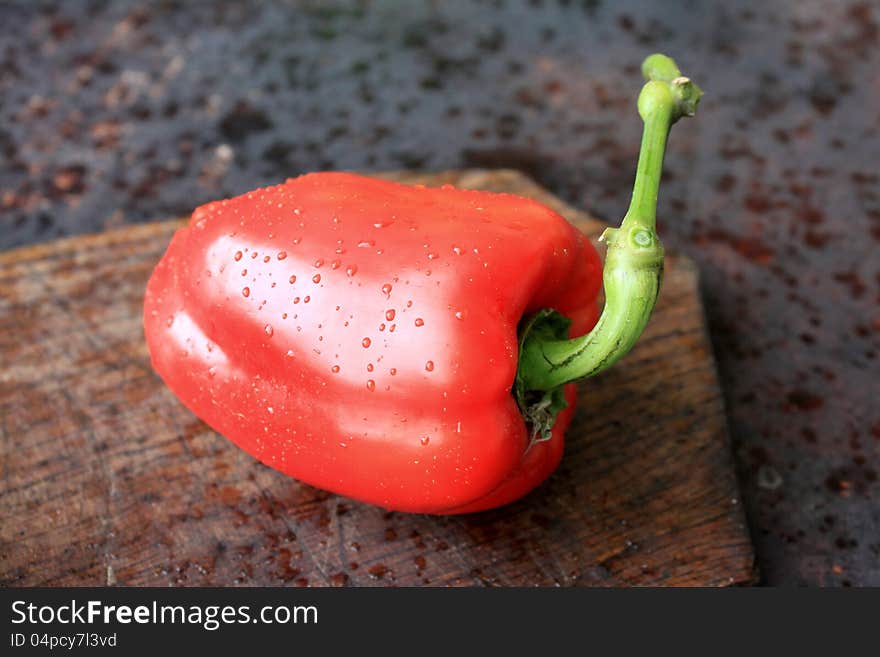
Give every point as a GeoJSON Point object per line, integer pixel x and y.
{"type": "Point", "coordinates": [394, 343]}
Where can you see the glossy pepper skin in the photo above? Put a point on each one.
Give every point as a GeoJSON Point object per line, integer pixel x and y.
{"type": "Point", "coordinates": [361, 335]}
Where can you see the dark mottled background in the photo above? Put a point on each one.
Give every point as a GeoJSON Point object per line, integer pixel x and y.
{"type": "Point", "coordinates": [115, 112]}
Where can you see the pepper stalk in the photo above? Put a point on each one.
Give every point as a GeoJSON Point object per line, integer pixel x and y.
{"type": "Point", "coordinates": [632, 273]}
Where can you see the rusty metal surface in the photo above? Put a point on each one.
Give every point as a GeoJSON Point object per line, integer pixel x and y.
{"type": "Point", "coordinates": [115, 113]}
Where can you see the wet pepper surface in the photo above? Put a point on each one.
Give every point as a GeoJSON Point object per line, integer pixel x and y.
{"type": "Point", "coordinates": [112, 114]}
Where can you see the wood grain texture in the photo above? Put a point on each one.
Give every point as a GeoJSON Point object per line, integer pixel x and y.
{"type": "Point", "coordinates": [106, 478]}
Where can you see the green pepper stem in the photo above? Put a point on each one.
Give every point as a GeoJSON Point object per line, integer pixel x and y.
{"type": "Point", "coordinates": [634, 261]}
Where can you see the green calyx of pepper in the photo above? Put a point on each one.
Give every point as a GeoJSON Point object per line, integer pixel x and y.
{"type": "Point", "coordinates": [633, 269]}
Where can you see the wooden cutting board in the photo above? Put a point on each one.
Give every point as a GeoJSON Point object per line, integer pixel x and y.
{"type": "Point", "coordinates": [106, 478]}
